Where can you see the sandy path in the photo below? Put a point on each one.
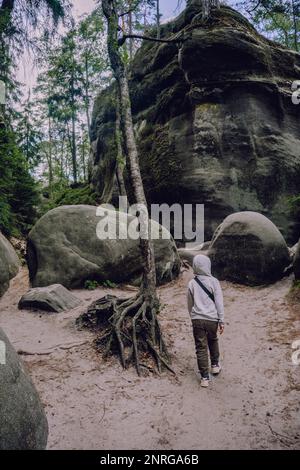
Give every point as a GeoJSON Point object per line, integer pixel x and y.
{"type": "Point", "coordinates": [254, 404]}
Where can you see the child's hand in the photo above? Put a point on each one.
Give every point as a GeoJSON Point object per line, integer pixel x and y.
{"type": "Point", "coordinates": [221, 328]}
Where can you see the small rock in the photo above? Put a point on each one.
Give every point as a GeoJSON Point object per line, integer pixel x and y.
{"type": "Point", "coordinates": [55, 298]}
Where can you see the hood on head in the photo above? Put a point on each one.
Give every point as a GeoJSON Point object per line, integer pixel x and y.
{"type": "Point", "coordinates": [202, 265]}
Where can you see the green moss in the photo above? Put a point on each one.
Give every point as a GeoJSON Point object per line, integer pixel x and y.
{"type": "Point", "coordinates": [208, 107]}
{"type": "Point", "coordinates": [294, 205]}
{"type": "Point", "coordinates": [75, 196]}
{"type": "Point", "coordinates": [160, 165]}
{"type": "Point", "coordinates": [67, 196]}
{"type": "Point", "coordinates": [93, 285]}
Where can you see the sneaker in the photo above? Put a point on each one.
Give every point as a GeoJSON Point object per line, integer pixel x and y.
{"type": "Point", "coordinates": [215, 369]}
{"type": "Point", "coordinates": [204, 382]}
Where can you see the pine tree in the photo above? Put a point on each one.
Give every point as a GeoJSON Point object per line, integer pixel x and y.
{"type": "Point", "coordinates": [18, 194]}
{"type": "Point", "coordinates": [278, 19]}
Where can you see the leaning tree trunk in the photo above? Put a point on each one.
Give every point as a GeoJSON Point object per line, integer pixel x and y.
{"type": "Point", "coordinates": [132, 329]}
{"type": "Point", "coordinates": [110, 12]}
{"type": "Point", "coordinates": [120, 163]}
{"type": "Point", "coordinates": [149, 275]}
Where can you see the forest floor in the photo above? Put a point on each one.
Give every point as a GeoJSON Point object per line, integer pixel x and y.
{"type": "Point", "coordinates": [92, 404]}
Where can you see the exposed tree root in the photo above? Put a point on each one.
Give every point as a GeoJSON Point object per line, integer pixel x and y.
{"type": "Point", "coordinates": [130, 329]}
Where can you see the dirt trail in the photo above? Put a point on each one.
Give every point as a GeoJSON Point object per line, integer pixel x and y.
{"type": "Point", "coordinates": [90, 404]}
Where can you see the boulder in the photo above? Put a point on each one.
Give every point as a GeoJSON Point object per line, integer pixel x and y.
{"type": "Point", "coordinates": [55, 298]}
{"type": "Point", "coordinates": [9, 263]}
{"type": "Point", "coordinates": [214, 120]}
{"type": "Point", "coordinates": [23, 423]}
{"type": "Point", "coordinates": [63, 248]}
{"type": "Point", "coordinates": [296, 266]}
{"type": "Point", "coordinates": [249, 249]}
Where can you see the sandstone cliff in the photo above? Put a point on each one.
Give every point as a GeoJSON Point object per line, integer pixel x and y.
{"type": "Point", "coordinates": [214, 120]}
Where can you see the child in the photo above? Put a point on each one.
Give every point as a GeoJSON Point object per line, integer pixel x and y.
{"type": "Point", "coordinates": [205, 305]}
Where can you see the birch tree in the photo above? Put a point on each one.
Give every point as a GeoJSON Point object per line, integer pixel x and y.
{"type": "Point", "coordinates": [134, 323]}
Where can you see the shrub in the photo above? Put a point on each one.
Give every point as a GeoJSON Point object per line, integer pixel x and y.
{"type": "Point", "coordinates": [91, 285]}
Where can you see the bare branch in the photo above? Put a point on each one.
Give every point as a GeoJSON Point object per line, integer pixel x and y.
{"type": "Point", "coordinates": [126, 12]}
{"type": "Point", "coordinates": [131, 10]}
{"type": "Point", "coordinates": [122, 40]}
{"type": "Point", "coordinates": [255, 7]}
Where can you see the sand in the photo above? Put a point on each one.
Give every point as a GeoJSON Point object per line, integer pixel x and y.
{"type": "Point", "coordinates": [92, 404]}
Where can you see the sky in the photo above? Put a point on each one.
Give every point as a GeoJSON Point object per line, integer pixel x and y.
{"type": "Point", "coordinates": [85, 6]}
{"type": "Point", "coordinates": [27, 72]}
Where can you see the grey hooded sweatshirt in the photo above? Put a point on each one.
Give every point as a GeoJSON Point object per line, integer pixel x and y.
{"type": "Point", "coordinates": [200, 306]}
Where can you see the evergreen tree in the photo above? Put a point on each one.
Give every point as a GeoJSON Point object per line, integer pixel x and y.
{"type": "Point", "coordinates": [277, 19]}
{"type": "Point", "coordinates": [18, 192]}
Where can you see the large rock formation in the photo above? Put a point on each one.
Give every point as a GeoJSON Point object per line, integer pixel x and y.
{"type": "Point", "coordinates": [247, 248]}
{"type": "Point", "coordinates": [214, 120]}
{"type": "Point", "coordinates": [63, 248]}
{"type": "Point", "coordinates": [9, 263]}
{"type": "Point", "coordinates": [23, 423]}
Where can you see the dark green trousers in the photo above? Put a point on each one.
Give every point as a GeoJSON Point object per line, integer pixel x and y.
{"type": "Point", "coordinates": [206, 340]}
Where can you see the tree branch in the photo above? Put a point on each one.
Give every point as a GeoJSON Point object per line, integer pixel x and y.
{"type": "Point", "coordinates": [126, 12]}
{"type": "Point", "coordinates": [131, 10]}
{"type": "Point", "coordinates": [122, 40]}
{"type": "Point", "coordinates": [251, 10]}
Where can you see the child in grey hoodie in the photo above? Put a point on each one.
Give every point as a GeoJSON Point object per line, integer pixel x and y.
{"type": "Point", "coordinates": [206, 308]}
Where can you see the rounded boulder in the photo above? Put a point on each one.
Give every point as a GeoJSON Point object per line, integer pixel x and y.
{"type": "Point", "coordinates": [9, 263]}
{"type": "Point", "coordinates": [23, 423]}
{"type": "Point", "coordinates": [66, 247]}
{"type": "Point", "coordinates": [248, 248]}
